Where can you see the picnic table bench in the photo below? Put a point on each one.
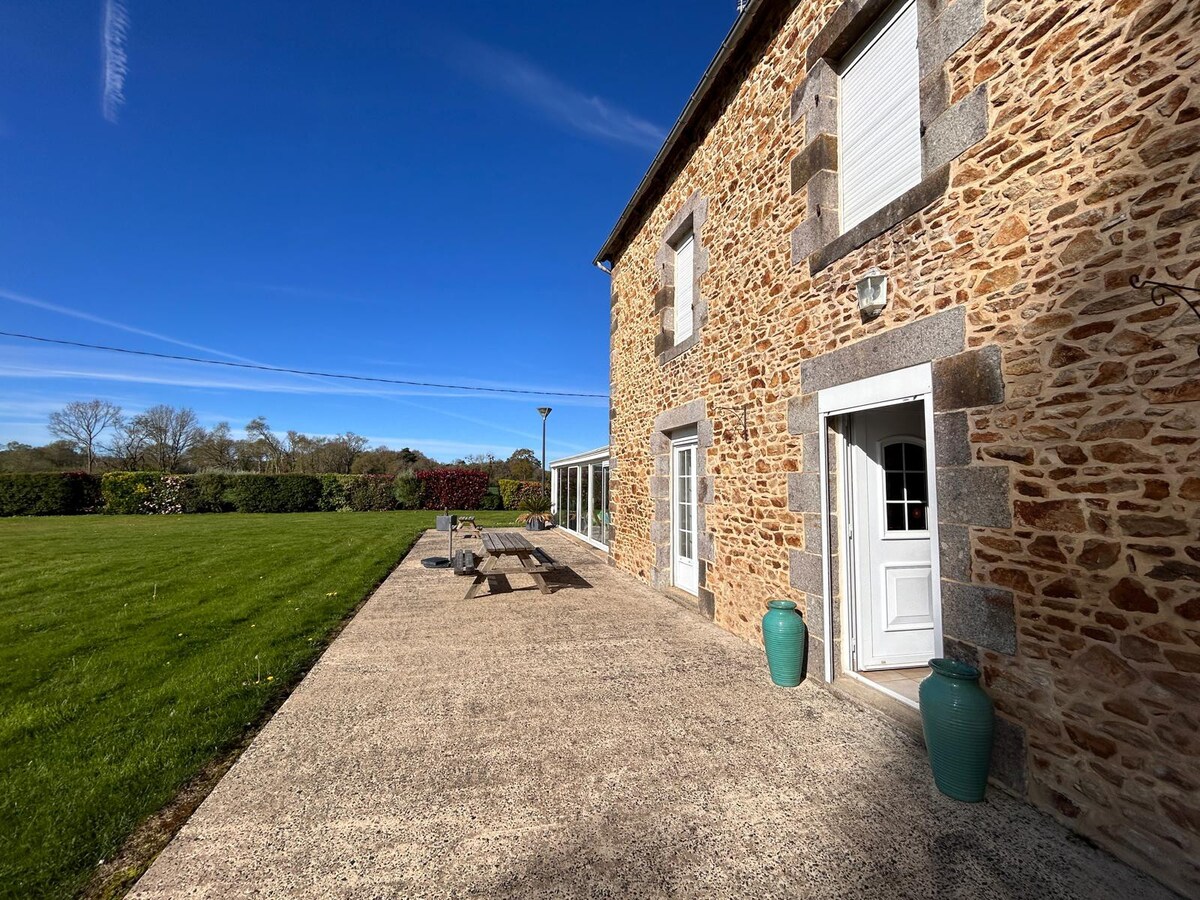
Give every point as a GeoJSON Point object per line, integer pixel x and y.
{"type": "Point", "coordinates": [468, 527]}
{"type": "Point", "coordinates": [500, 547]}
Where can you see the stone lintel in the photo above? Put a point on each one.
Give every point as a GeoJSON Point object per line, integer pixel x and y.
{"type": "Point", "coordinates": [928, 338]}
{"type": "Point", "coordinates": [688, 414]}
{"type": "Point", "coordinates": [849, 21]}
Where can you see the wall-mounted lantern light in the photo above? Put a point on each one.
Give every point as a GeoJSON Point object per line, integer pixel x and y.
{"type": "Point", "coordinates": [872, 293]}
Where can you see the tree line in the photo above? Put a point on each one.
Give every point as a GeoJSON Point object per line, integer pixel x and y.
{"type": "Point", "coordinates": [97, 435]}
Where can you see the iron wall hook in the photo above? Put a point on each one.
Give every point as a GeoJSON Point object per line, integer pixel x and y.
{"type": "Point", "coordinates": [738, 411]}
{"type": "Point", "coordinates": [1159, 291]}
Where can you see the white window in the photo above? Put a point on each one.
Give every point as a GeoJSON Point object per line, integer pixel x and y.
{"type": "Point", "coordinates": [879, 143]}
{"type": "Point", "coordinates": [684, 276]}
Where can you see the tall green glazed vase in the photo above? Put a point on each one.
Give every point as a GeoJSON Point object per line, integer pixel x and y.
{"type": "Point", "coordinates": [958, 720]}
{"type": "Point", "coordinates": [786, 638]}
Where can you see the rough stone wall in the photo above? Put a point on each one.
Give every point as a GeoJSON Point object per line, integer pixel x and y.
{"type": "Point", "coordinates": [1089, 173]}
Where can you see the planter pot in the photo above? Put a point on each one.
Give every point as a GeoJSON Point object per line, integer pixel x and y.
{"type": "Point", "coordinates": [536, 525]}
{"type": "Point", "coordinates": [786, 638]}
{"type": "Point", "coordinates": [958, 720]}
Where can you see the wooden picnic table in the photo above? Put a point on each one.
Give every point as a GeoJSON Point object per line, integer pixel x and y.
{"type": "Point", "coordinates": [500, 546]}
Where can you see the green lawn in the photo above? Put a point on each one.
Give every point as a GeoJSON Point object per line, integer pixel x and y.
{"type": "Point", "coordinates": [134, 649]}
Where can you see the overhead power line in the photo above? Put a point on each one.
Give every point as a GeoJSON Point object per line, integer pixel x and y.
{"type": "Point", "coordinates": [287, 371]}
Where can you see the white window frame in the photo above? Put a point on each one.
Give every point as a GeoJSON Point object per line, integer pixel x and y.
{"type": "Point", "coordinates": [684, 251]}
{"type": "Point", "coordinates": [864, 200]}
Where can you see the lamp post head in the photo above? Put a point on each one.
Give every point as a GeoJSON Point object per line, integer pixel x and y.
{"type": "Point", "coordinates": [545, 411]}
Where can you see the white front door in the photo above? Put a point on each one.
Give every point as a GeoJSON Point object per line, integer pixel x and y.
{"type": "Point", "coordinates": [891, 539]}
{"type": "Point", "coordinates": [684, 566]}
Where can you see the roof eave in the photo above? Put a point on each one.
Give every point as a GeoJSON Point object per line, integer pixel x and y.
{"type": "Point", "coordinates": [615, 243]}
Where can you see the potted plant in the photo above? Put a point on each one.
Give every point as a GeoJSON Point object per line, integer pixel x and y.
{"type": "Point", "coordinates": [535, 512]}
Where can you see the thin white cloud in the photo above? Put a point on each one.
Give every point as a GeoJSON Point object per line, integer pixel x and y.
{"type": "Point", "coordinates": [342, 387]}
{"type": "Point", "coordinates": [113, 36]}
{"type": "Point", "coordinates": [14, 297]}
{"type": "Point", "coordinates": [583, 113]}
{"type": "Point", "coordinates": [34, 362]}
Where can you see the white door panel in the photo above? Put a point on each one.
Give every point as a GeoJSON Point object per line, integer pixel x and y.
{"type": "Point", "coordinates": [892, 543]}
{"type": "Point", "coordinates": [685, 567]}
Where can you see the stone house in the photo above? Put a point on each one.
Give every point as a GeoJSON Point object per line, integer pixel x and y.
{"type": "Point", "coordinates": [875, 348]}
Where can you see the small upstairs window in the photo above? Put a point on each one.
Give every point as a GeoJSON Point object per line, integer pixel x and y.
{"type": "Point", "coordinates": [685, 275]}
{"type": "Point", "coordinates": [879, 140]}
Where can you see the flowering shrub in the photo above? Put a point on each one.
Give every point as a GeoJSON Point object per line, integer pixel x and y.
{"type": "Point", "coordinates": [166, 497]}
{"type": "Point", "coordinates": [454, 488]}
{"type": "Point", "coordinates": [128, 493]}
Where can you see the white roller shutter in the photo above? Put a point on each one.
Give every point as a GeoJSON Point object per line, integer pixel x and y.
{"type": "Point", "coordinates": [880, 116]}
{"type": "Point", "coordinates": [684, 276]}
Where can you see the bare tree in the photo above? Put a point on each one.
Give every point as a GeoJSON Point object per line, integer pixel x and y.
{"type": "Point", "coordinates": [337, 454]}
{"type": "Point", "coordinates": [127, 445]}
{"type": "Point", "coordinates": [265, 445]}
{"type": "Point", "coordinates": [81, 423]}
{"type": "Point", "coordinates": [170, 433]}
{"type": "Point", "coordinates": [216, 449]}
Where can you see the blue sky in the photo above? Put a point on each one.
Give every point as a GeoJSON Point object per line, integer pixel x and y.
{"type": "Point", "coordinates": [383, 188]}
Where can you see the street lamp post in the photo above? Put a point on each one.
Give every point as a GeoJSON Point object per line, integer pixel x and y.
{"type": "Point", "coordinates": [545, 411]}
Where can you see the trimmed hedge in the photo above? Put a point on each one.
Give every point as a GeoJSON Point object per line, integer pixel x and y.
{"type": "Point", "coordinates": [48, 494]}
{"type": "Point", "coordinates": [409, 491]}
{"type": "Point", "coordinates": [514, 492]}
{"type": "Point", "coordinates": [372, 493]}
{"type": "Point", "coordinates": [335, 493]}
{"type": "Point", "coordinates": [276, 493]}
{"type": "Point", "coordinates": [208, 493]}
{"type": "Point", "coordinates": [147, 493]}
{"type": "Point", "coordinates": [454, 488]}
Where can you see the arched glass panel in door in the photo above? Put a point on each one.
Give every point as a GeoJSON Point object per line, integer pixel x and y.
{"type": "Point", "coordinates": [905, 486]}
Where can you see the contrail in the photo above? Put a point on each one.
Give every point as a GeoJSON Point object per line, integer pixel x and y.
{"type": "Point", "coordinates": [113, 37]}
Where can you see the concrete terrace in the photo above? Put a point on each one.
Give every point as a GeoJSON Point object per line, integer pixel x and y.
{"type": "Point", "coordinates": [599, 742]}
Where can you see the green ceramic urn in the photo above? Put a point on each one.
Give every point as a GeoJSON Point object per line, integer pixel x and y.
{"type": "Point", "coordinates": [786, 638]}
{"type": "Point", "coordinates": [958, 719]}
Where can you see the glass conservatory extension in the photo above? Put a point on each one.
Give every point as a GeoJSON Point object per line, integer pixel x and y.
{"type": "Point", "coordinates": [579, 496]}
